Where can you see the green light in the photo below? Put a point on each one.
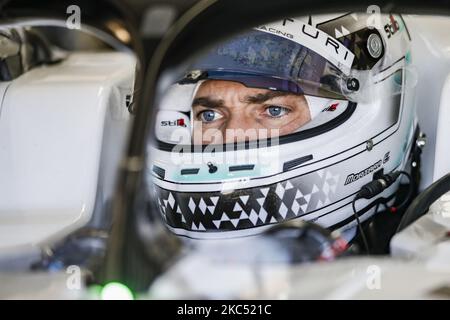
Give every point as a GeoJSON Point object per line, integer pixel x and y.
{"type": "Point", "coordinates": [116, 291]}
{"type": "Point", "coordinates": [94, 292]}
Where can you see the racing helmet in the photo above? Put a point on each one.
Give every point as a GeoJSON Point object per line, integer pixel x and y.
{"type": "Point", "coordinates": [353, 84]}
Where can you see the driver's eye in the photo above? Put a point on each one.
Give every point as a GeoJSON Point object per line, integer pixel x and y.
{"type": "Point", "coordinates": [276, 111]}
{"type": "Point", "coordinates": [209, 115]}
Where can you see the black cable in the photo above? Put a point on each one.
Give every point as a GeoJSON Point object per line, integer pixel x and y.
{"type": "Point", "coordinates": [378, 205]}
{"type": "Point", "coordinates": [410, 191]}
{"type": "Point", "coordinates": [374, 188]}
{"type": "Point", "coordinates": [421, 203]}
{"type": "Point", "coordinates": [360, 228]}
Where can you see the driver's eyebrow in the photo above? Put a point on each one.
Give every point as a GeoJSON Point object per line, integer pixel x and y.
{"type": "Point", "coordinates": [208, 102]}
{"type": "Point", "coordinates": [263, 97]}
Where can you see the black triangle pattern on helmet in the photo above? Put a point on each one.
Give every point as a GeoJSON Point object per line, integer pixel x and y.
{"type": "Point", "coordinates": [247, 208]}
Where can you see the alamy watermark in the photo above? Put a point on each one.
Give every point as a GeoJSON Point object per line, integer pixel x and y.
{"type": "Point", "coordinates": [212, 145]}
{"type": "Point", "coordinates": [74, 277]}
{"type": "Point", "coordinates": [73, 21]}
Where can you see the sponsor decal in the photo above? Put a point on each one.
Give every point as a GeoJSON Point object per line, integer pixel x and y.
{"type": "Point", "coordinates": [356, 176]}
{"type": "Point", "coordinates": [314, 39]}
{"type": "Point", "coordinates": [173, 123]}
{"type": "Point", "coordinates": [386, 157]}
{"type": "Point", "coordinates": [392, 27]}
{"type": "Point", "coordinates": [333, 107]}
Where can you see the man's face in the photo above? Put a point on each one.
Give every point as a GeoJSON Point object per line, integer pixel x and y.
{"type": "Point", "coordinates": [222, 108]}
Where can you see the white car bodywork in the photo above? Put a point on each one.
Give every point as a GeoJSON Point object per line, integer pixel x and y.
{"type": "Point", "coordinates": [63, 129]}
{"type": "Point", "coordinates": [431, 56]}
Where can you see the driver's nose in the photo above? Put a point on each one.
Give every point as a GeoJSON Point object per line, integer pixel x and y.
{"type": "Point", "coordinates": [240, 128]}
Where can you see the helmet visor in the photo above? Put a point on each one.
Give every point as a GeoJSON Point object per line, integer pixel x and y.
{"type": "Point", "coordinates": [269, 80]}
{"type": "Point", "coordinates": [270, 57]}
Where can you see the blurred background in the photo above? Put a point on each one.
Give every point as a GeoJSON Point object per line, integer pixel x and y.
{"type": "Point", "coordinates": [154, 18]}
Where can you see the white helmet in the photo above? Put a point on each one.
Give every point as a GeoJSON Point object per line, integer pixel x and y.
{"type": "Point", "coordinates": [355, 81]}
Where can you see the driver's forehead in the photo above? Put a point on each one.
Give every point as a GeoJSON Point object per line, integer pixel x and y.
{"type": "Point", "coordinates": [221, 89]}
